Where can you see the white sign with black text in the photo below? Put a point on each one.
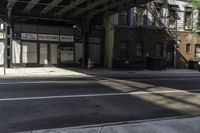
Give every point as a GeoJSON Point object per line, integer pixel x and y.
{"type": "Point", "coordinates": [47, 37]}
{"type": "Point", "coordinates": [29, 36]}
{"type": "Point", "coordinates": [67, 38]}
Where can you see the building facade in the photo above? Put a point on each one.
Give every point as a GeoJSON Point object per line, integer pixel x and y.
{"type": "Point", "coordinates": [165, 31]}
{"type": "Point", "coordinates": [37, 45]}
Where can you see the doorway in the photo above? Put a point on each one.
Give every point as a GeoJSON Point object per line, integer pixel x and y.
{"type": "Point", "coordinates": [48, 54]}
{"type": "Point", "coordinates": [43, 54]}
{"type": "Point", "coordinates": [170, 56]}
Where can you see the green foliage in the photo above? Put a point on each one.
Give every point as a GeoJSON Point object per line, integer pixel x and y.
{"type": "Point", "coordinates": [196, 4]}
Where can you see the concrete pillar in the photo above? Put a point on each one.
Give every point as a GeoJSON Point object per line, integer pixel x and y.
{"type": "Point", "coordinates": [109, 40]}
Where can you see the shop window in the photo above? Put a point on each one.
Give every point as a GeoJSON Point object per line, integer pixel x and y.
{"type": "Point", "coordinates": [188, 19]}
{"type": "Point", "coordinates": [138, 49]}
{"type": "Point", "coordinates": [197, 51]}
{"type": "Point", "coordinates": [29, 52]}
{"type": "Point", "coordinates": [123, 18]}
{"type": "Point", "coordinates": [124, 49]}
{"type": "Point", "coordinates": [188, 48]}
{"type": "Point", "coordinates": [159, 49]}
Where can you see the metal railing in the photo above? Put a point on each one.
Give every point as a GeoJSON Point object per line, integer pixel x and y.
{"type": "Point", "coordinates": [155, 9]}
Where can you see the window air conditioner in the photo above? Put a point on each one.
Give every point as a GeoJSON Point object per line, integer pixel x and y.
{"type": "Point", "coordinates": [187, 27]}
{"type": "Point", "coordinates": [171, 26]}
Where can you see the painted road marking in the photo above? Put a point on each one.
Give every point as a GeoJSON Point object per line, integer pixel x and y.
{"type": "Point", "coordinates": [49, 82]}
{"type": "Point", "coordinates": [88, 81]}
{"type": "Point", "coordinates": [97, 95]}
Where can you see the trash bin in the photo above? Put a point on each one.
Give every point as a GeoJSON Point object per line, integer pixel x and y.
{"type": "Point", "coordinates": [199, 65]}
{"type": "Point", "coordinates": [156, 63]}
{"type": "Point", "coordinates": [193, 65]}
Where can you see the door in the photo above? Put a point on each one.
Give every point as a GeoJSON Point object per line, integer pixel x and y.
{"type": "Point", "coordinates": [53, 54]}
{"type": "Point", "coordinates": [43, 54]}
{"type": "Point", "coordinates": [78, 53]}
{"type": "Point", "coordinates": [170, 56]}
{"type": "Point", "coordinates": [95, 53]}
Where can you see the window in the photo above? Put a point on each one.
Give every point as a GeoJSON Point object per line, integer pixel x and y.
{"type": "Point", "coordinates": [141, 18]}
{"type": "Point", "coordinates": [172, 18]}
{"type": "Point", "coordinates": [138, 49]}
{"type": "Point", "coordinates": [188, 48]}
{"type": "Point", "coordinates": [197, 51]}
{"type": "Point", "coordinates": [159, 49]}
{"type": "Point", "coordinates": [188, 19]}
{"type": "Point", "coordinates": [198, 19]}
{"type": "Point", "coordinates": [29, 52]}
{"type": "Point", "coordinates": [123, 18]}
{"type": "Point", "coordinates": [124, 49]}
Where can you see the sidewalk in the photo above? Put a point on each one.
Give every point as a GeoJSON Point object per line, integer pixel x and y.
{"type": "Point", "coordinates": [79, 72]}
{"type": "Point", "coordinates": [182, 125]}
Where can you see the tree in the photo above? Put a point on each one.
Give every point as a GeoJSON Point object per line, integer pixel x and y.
{"type": "Point", "coordinates": [196, 4]}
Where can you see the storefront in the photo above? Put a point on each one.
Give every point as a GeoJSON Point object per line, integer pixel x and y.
{"type": "Point", "coordinates": [33, 50]}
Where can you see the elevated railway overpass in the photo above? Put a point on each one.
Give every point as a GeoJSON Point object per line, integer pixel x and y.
{"type": "Point", "coordinates": [59, 12]}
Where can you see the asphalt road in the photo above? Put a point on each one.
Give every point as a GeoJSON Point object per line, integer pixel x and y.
{"type": "Point", "coordinates": [41, 103]}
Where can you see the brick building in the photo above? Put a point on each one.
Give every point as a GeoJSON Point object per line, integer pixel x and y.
{"type": "Point", "coordinates": [166, 31]}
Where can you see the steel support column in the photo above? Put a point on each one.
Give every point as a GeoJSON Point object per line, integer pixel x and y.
{"type": "Point", "coordinates": [86, 34]}
{"type": "Point", "coordinates": [8, 43]}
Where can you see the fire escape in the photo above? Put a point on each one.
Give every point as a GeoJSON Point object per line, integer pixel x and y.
{"type": "Point", "coordinates": [160, 20]}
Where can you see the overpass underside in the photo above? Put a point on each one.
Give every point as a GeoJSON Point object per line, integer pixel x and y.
{"type": "Point", "coordinates": [79, 12]}
{"type": "Point", "coordinates": [66, 9]}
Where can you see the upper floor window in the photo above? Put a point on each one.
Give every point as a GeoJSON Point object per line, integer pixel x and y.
{"type": "Point", "coordinates": [188, 48]}
{"type": "Point", "coordinates": [198, 20]}
{"type": "Point", "coordinates": [173, 16]}
{"type": "Point", "coordinates": [123, 18]}
{"type": "Point", "coordinates": [141, 17]}
{"type": "Point", "coordinates": [197, 51]}
{"type": "Point", "coordinates": [188, 18]}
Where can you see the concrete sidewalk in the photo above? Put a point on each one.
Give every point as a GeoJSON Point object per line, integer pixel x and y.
{"type": "Point", "coordinates": [79, 72]}
{"type": "Point", "coordinates": [173, 125]}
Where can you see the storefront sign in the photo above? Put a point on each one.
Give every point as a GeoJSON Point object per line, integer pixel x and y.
{"type": "Point", "coordinates": [95, 40]}
{"type": "Point", "coordinates": [67, 38]}
{"type": "Point", "coordinates": [47, 37]}
{"type": "Point", "coordinates": [29, 36]}
{"type": "Point", "coordinates": [67, 54]}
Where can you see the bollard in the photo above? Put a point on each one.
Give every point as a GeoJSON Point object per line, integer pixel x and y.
{"type": "Point", "coordinates": [90, 64]}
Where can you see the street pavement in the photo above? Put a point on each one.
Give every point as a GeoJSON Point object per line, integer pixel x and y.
{"type": "Point", "coordinates": [37, 103]}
